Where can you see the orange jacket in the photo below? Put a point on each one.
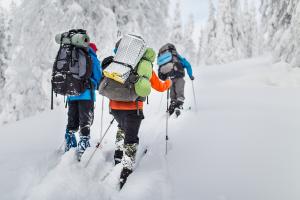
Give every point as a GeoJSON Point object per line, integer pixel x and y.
{"type": "Point", "coordinates": [155, 83]}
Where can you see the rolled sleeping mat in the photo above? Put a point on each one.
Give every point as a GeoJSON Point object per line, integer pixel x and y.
{"type": "Point", "coordinates": [145, 69]}
{"type": "Point", "coordinates": [65, 39]}
{"type": "Point", "coordinates": [78, 39]}
{"type": "Point", "coordinates": [142, 87]}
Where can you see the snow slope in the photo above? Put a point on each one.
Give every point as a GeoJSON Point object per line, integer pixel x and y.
{"type": "Point", "coordinates": [242, 144]}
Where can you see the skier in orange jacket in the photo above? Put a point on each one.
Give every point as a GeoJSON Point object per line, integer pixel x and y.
{"type": "Point", "coordinates": [129, 116]}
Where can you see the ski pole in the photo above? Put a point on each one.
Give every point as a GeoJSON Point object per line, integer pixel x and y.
{"type": "Point", "coordinates": [101, 122]}
{"type": "Point", "coordinates": [160, 102]}
{"type": "Point", "coordinates": [99, 143]}
{"type": "Point", "coordinates": [167, 121]}
{"type": "Point", "coordinates": [194, 96]}
{"type": "Point", "coordinates": [60, 148]}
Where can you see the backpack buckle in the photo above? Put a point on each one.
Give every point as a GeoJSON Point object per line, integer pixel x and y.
{"type": "Point", "coordinates": [133, 78]}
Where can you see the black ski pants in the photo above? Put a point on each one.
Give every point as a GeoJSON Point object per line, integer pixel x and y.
{"type": "Point", "coordinates": [80, 114]}
{"type": "Point", "coordinates": [129, 121]}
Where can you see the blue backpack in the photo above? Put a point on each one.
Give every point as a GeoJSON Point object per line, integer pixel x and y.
{"type": "Point", "coordinates": [164, 58]}
{"type": "Point", "coordinates": [168, 62]}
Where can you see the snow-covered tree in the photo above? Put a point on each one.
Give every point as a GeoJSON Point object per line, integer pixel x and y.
{"type": "Point", "coordinates": [142, 17]}
{"type": "Point", "coordinates": [295, 32]}
{"type": "Point", "coordinates": [227, 36]}
{"type": "Point", "coordinates": [209, 35]}
{"type": "Point", "coordinates": [277, 19]}
{"type": "Point", "coordinates": [200, 53]}
{"type": "Point", "coordinates": [249, 30]}
{"type": "Point", "coordinates": [3, 46]}
{"type": "Point", "coordinates": [276, 15]}
{"type": "Point", "coordinates": [35, 24]}
{"type": "Point", "coordinates": [230, 34]}
{"type": "Point", "coordinates": [176, 36]}
{"type": "Point", "coordinates": [189, 47]}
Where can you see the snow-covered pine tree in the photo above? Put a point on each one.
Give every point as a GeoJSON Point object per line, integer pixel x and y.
{"type": "Point", "coordinates": [209, 35]}
{"type": "Point", "coordinates": [277, 17]}
{"type": "Point", "coordinates": [257, 42]}
{"type": "Point", "coordinates": [249, 30]}
{"type": "Point", "coordinates": [226, 37]}
{"type": "Point", "coordinates": [237, 27]}
{"type": "Point", "coordinates": [37, 22]}
{"type": "Point", "coordinates": [176, 36]}
{"type": "Point", "coordinates": [154, 26]}
{"type": "Point", "coordinates": [189, 50]}
{"type": "Point", "coordinates": [200, 53]}
{"type": "Point", "coordinates": [3, 46]}
{"type": "Point", "coordinates": [295, 32]}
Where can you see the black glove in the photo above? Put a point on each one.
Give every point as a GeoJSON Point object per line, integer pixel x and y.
{"type": "Point", "coordinates": [106, 61]}
{"type": "Point", "coordinates": [192, 77]}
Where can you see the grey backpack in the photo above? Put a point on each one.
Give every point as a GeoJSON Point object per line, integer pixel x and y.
{"type": "Point", "coordinates": [120, 75]}
{"type": "Point", "coordinates": [117, 91]}
{"type": "Point", "coordinates": [72, 70]}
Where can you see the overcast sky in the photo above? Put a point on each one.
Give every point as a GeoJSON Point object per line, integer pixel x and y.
{"type": "Point", "coordinates": [199, 8]}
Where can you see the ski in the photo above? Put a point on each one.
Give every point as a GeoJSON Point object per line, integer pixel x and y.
{"type": "Point", "coordinates": [137, 162]}
{"type": "Point", "coordinates": [179, 111]}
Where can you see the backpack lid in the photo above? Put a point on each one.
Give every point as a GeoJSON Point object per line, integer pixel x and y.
{"type": "Point", "coordinates": [130, 50]}
{"type": "Point", "coordinates": [164, 58]}
{"type": "Point", "coordinates": [167, 47]}
{"type": "Point", "coordinates": [76, 37]}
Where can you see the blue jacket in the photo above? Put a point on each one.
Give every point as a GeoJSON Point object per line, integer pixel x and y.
{"type": "Point", "coordinates": [186, 65]}
{"type": "Point", "coordinates": [95, 78]}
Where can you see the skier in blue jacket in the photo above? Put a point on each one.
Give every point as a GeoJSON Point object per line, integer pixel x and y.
{"type": "Point", "coordinates": [81, 109]}
{"type": "Point", "coordinates": [173, 65]}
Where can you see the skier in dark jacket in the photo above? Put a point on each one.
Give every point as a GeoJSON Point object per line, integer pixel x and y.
{"type": "Point", "coordinates": [172, 65]}
{"type": "Point", "coordinates": [81, 109]}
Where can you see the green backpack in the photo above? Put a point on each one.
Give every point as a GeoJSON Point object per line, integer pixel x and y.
{"type": "Point", "coordinates": [135, 90]}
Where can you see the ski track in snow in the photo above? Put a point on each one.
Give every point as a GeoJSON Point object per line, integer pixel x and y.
{"type": "Point", "coordinates": [242, 144]}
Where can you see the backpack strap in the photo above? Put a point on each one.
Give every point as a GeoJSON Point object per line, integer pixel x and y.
{"type": "Point", "coordinates": [125, 64]}
{"type": "Point", "coordinates": [137, 108]}
{"type": "Point", "coordinates": [91, 90]}
{"type": "Point", "coordinates": [66, 102]}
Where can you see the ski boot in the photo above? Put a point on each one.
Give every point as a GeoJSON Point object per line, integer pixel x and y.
{"type": "Point", "coordinates": [123, 177]}
{"type": "Point", "coordinates": [178, 108]}
{"type": "Point", "coordinates": [119, 146]}
{"type": "Point", "coordinates": [177, 112]}
{"type": "Point", "coordinates": [82, 145]}
{"type": "Point", "coordinates": [128, 161]}
{"type": "Point", "coordinates": [172, 107]}
{"type": "Point", "coordinates": [70, 140]}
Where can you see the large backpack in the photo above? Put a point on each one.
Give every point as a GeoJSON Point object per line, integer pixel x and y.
{"type": "Point", "coordinates": [130, 50]}
{"type": "Point", "coordinates": [169, 64]}
{"type": "Point", "coordinates": [72, 67]}
{"type": "Point", "coordinates": [137, 86]}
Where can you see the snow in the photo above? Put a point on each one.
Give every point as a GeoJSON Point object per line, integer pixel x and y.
{"type": "Point", "coordinates": [242, 144]}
